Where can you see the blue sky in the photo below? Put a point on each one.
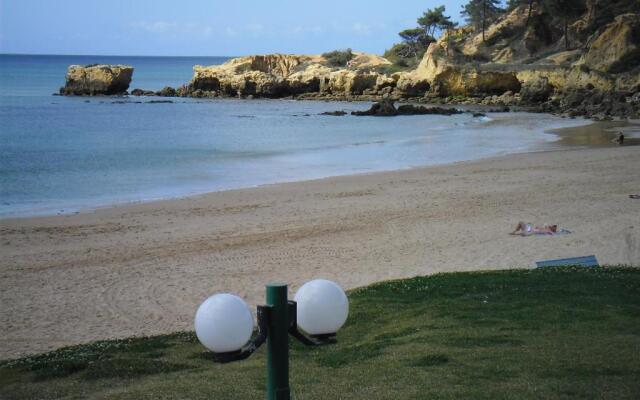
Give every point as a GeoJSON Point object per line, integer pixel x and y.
{"type": "Point", "coordinates": [206, 27]}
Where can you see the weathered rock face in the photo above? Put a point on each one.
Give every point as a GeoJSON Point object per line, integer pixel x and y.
{"type": "Point", "coordinates": [348, 82]}
{"type": "Point", "coordinates": [92, 80]}
{"type": "Point", "coordinates": [461, 82]}
{"type": "Point", "coordinates": [445, 78]}
{"type": "Point", "coordinates": [536, 90]}
{"type": "Point", "coordinates": [256, 75]}
{"type": "Point", "coordinates": [434, 62]}
{"type": "Point", "coordinates": [279, 75]}
{"type": "Point", "coordinates": [411, 85]}
{"type": "Point", "coordinates": [617, 48]}
{"type": "Point", "coordinates": [567, 78]}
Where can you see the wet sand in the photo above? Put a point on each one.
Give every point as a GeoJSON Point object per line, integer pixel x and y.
{"type": "Point", "coordinates": [599, 134]}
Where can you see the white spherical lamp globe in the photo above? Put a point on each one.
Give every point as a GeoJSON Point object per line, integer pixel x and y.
{"type": "Point", "coordinates": [322, 307]}
{"type": "Point", "coordinates": [223, 323]}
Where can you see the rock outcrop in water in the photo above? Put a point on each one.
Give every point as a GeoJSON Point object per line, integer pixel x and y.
{"type": "Point", "coordinates": [387, 108]}
{"type": "Point", "coordinates": [97, 79]}
{"type": "Point", "coordinates": [166, 91]}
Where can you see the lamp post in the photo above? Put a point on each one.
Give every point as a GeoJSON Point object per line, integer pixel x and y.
{"type": "Point", "coordinates": [224, 324]}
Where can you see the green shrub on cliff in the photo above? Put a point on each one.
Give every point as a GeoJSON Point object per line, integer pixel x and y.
{"type": "Point", "coordinates": [415, 41]}
{"type": "Point", "coordinates": [404, 55]}
{"type": "Point", "coordinates": [338, 58]}
{"type": "Point", "coordinates": [389, 69]}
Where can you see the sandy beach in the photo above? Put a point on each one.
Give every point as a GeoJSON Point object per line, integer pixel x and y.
{"type": "Point", "coordinates": [143, 269]}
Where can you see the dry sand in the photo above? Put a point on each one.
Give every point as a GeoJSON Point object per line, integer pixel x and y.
{"type": "Point", "coordinates": [143, 269]}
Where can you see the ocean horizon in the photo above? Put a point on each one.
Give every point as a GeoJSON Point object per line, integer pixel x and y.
{"type": "Point", "coordinates": [64, 154]}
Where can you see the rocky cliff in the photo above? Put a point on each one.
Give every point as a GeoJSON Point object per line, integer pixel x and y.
{"type": "Point", "coordinates": [91, 80]}
{"type": "Point", "coordinates": [522, 61]}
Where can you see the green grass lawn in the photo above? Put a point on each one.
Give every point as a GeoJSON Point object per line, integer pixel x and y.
{"type": "Point", "coordinates": [519, 334]}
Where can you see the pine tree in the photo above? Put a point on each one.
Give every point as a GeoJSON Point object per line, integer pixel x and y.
{"type": "Point", "coordinates": [415, 41]}
{"type": "Point", "coordinates": [481, 12]}
{"type": "Point", "coordinates": [567, 10]}
{"type": "Point", "coordinates": [431, 20]}
{"type": "Point", "coordinates": [529, 13]}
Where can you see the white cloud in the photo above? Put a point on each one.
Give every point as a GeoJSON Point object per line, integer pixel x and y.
{"type": "Point", "coordinates": [368, 28]}
{"type": "Point", "coordinates": [197, 29]}
{"type": "Point", "coordinates": [300, 30]}
{"type": "Point", "coordinates": [230, 32]}
{"type": "Point", "coordinates": [154, 26]}
{"type": "Point", "coordinates": [174, 28]}
{"type": "Point", "coordinates": [360, 28]}
{"type": "Point", "coordinates": [254, 28]}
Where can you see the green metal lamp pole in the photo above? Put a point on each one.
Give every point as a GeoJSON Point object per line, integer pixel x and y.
{"type": "Point", "coordinates": [278, 343]}
{"type": "Point", "coordinates": [276, 321]}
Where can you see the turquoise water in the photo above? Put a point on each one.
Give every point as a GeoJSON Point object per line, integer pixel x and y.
{"type": "Point", "coordinates": [62, 154]}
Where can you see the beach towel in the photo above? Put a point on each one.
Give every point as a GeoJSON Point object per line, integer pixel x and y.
{"type": "Point", "coordinates": [529, 229]}
{"type": "Point", "coordinates": [530, 232]}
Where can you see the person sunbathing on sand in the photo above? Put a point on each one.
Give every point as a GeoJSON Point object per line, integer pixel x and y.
{"type": "Point", "coordinates": [526, 229]}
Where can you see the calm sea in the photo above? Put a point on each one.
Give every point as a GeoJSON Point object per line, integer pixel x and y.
{"type": "Point", "coordinates": [62, 154]}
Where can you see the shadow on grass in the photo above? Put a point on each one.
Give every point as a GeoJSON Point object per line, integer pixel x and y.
{"type": "Point", "coordinates": [430, 360]}
{"type": "Point", "coordinates": [484, 341]}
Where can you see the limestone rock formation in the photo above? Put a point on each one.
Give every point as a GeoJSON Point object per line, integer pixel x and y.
{"type": "Point", "coordinates": [280, 75]}
{"type": "Point", "coordinates": [92, 80]}
{"type": "Point", "coordinates": [446, 78]}
{"type": "Point", "coordinates": [536, 90]}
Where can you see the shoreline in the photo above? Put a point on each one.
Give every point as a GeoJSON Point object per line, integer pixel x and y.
{"type": "Point", "coordinates": [133, 203]}
{"type": "Point", "coordinates": [142, 269]}
{"type": "Point", "coordinates": [596, 136]}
